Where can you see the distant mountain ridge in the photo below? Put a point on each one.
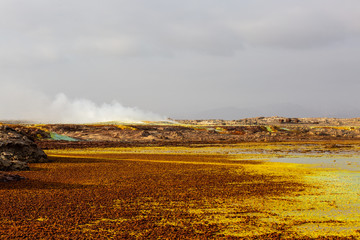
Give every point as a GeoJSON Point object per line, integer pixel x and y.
{"type": "Point", "coordinates": [285, 110]}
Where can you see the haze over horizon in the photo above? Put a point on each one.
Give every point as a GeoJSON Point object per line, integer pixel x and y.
{"type": "Point", "coordinates": [180, 59]}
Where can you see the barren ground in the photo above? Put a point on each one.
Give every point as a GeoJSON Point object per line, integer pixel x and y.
{"type": "Point", "coordinates": [187, 181]}
{"type": "Point", "coordinates": [187, 132]}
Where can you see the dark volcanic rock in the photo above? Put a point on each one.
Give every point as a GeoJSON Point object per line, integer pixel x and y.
{"type": "Point", "coordinates": [16, 150]}
{"type": "Point", "coordinates": [12, 165]}
{"type": "Point", "coordinates": [4, 177]}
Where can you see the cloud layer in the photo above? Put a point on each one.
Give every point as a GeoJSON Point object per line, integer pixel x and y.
{"type": "Point", "coordinates": [53, 30]}
{"type": "Point", "coordinates": [179, 57]}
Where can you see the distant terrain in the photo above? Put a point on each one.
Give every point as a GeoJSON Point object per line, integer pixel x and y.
{"type": "Point", "coordinates": [184, 132]}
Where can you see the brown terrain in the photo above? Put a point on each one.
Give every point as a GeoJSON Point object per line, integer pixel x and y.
{"type": "Point", "coordinates": [185, 132]}
{"type": "Point", "coordinates": [177, 192]}
{"type": "Point", "coordinates": [20, 142]}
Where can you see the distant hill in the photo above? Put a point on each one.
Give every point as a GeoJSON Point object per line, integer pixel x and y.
{"type": "Point", "coordinates": [285, 109]}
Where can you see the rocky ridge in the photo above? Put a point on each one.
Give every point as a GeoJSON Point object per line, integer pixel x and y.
{"type": "Point", "coordinates": [187, 132]}
{"type": "Point", "coordinates": [277, 120]}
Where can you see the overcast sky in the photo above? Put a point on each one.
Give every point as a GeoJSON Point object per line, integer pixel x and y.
{"type": "Point", "coordinates": [183, 59]}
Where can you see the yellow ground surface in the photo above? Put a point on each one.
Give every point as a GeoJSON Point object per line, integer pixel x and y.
{"type": "Point", "coordinates": [245, 191]}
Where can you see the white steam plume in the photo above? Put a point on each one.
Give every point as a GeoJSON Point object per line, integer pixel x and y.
{"type": "Point", "coordinates": [28, 105]}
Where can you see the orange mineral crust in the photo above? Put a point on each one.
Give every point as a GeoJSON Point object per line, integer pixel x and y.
{"type": "Point", "coordinates": [239, 191]}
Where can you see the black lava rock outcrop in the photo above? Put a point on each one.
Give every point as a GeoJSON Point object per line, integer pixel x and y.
{"type": "Point", "coordinates": [16, 150]}
{"type": "Point", "coordinates": [4, 177]}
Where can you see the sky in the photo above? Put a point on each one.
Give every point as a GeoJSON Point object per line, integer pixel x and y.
{"type": "Point", "coordinates": [89, 60]}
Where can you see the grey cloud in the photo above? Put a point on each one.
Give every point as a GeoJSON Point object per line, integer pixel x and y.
{"type": "Point", "coordinates": [126, 28]}
{"type": "Point", "coordinates": [294, 33]}
{"type": "Point", "coordinates": [305, 25]}
{"type": "Point", "coordinates": [184, 56]}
